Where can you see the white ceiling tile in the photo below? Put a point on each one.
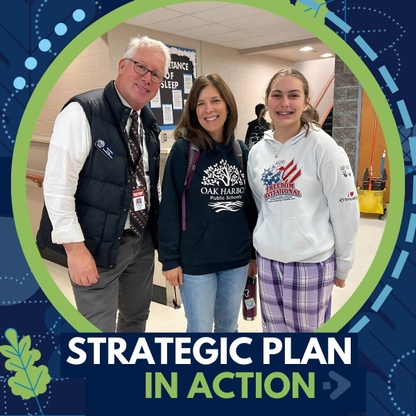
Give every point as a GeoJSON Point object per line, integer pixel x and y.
{"type": "Point", "coordinates": [262, 19]}
{"type": "Point", "coordinates": [178, 24]}
{"type": "Point", "coordinates": [243, 44]}
{"type": "Point", "coordinates": [154, 16]}
{"type": "Point", "coordinates": [196, 7]}
{"type": "Point", "coordinates": [203, 32]}
{"type": "Point", "coordinates": [274, 36]}
{"type": "Point", "coordinates": [224, 37]}
{"type": "Point", "coordinates": [288, 36]}
{"type": "Point", "coordinates": [227, 13]}
{"type": "Point", "coordinates": [275, 28]}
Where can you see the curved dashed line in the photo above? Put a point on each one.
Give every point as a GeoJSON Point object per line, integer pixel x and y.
{"type": "Point", "coordinates": [346, 28]}
{"type": "Point", "coordinates": [412, 145]}
{"type": "Point", "coordinates": [15, 302]}
{"type": "Point", "coordinates": [400, 264]}
{"type": "Point", "coordinates": [411, 229]}
{"type": "Point", "coordinates": [389, 79]}
{"type": "Point", "coordinates": [381, 298]}
{"type": "Point", "coordinates": [359, 325]}
{"type": "Point", "coordinates": [401, 29]}
{"type": "Point", "coordinates": [44, 45]}
{"type": "Point", "coordinates": [4, 111]}
{"type": "Point", "coordinates": [19, 280]}
{"type": "Point", "coordinates": [365, 47]}
{"type": "Point", "coordinates": [372, 55]}
{"type": "Point", "coordinates": [404, 114]}
{"type": "Point", "coordinates": [389, 381]}
{"type": "Point", "coordinates": [414, 188]}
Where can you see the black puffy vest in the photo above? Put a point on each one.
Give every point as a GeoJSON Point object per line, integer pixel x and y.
{"type": "Point", "coordinates": [104, 187]}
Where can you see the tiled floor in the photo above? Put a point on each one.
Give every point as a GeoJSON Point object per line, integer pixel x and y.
{"type": "Point", "coordinates": [167, 319]}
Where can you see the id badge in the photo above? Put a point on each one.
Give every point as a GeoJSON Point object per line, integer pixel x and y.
{"type": "Point", "coordinates": [138, 199]}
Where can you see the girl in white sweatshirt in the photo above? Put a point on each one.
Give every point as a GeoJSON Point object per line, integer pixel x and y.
{"type": "Point", "coordinates": [306, 198]}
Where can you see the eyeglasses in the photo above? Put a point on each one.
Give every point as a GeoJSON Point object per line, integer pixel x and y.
{"type": "Point", "coordinates": [143, 70]}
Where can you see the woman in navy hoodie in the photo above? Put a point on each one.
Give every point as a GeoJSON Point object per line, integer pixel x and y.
{"type": "Point", "coordinates": [209, 256]}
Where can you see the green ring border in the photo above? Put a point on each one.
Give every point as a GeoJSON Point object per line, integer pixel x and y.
{"type": "Point", "coordinates": [298, 15]}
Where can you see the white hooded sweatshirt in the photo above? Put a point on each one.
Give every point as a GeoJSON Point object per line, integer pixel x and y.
{"type": "Point", "coordinates": [306, 197]}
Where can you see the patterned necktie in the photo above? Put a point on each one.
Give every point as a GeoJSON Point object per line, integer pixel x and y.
{"type": "Point", "coordinates": [139, 205]}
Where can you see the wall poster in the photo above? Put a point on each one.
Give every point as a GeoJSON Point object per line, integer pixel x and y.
{"type": "Point", "coordinates": [168, 104]}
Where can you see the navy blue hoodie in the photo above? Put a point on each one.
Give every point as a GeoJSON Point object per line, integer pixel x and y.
{"type": "Point", "coordinates": [220, 212]}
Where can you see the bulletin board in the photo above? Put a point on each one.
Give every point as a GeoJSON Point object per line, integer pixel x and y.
{"type": "Point", "coordinates": [168, 104]}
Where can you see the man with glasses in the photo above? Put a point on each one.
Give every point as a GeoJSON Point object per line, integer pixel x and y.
{"type": "Point", "coordinates": [101, 191]}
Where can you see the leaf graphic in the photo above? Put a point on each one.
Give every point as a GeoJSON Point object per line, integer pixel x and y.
{"type": "Point", "coordinates": [29, 380]}
{"type": "Point", "coordinates": [15, 347]}
{"type": "Point", "coordinates": [30, 383]}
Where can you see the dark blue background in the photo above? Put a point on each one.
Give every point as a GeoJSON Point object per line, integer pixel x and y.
{"type": "Point", "coordinates": [385, 346]}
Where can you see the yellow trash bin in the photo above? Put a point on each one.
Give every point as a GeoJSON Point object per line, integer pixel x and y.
{"type": "Point", "coordinates": [372, 202]}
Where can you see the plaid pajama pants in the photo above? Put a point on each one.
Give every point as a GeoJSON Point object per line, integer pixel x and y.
{"type": "Point", "coordinates": [295, 297]}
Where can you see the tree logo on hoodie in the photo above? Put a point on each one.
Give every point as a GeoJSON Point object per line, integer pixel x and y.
{"type": "Point", "coordinates": [225, 185]}
{"type": "Point", "coordinates": [279, 181]}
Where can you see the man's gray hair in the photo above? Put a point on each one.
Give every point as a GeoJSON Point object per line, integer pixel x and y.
{"type": "Point", "coordinates": [139, 41]}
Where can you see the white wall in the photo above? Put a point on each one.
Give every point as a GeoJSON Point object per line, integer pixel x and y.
{"type": "Point", "coordinates": [318, 73]}
{"type": "Point", "coordinates": [90, 70]}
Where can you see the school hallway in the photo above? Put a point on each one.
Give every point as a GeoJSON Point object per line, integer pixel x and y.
{"type": "Point", "coordinates": [165, 318]}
